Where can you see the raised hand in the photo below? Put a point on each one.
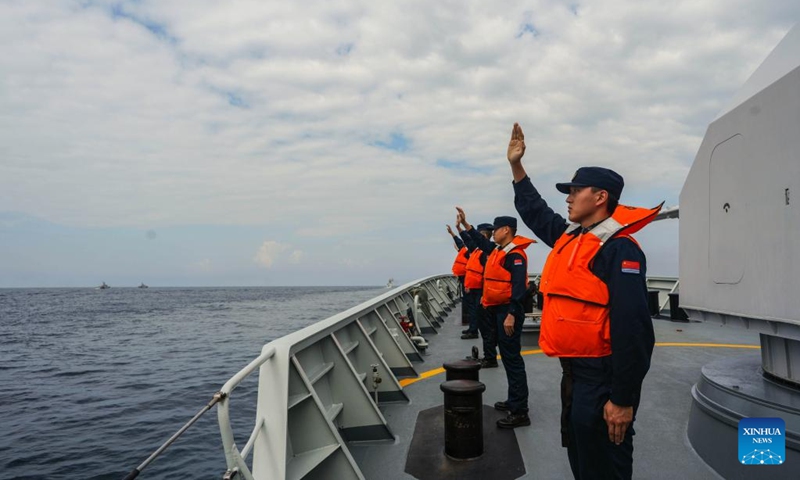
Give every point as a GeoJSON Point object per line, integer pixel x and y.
{"type": "Point", "coordinates": [462, 218]}
{"type": "Point", "coordinates": [516, 147]}
{"type": "Point", "coordinates": [450, 230]}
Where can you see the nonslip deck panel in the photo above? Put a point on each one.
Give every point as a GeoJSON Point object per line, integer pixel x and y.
{"type": "Point", "coordinates": [501, 459]}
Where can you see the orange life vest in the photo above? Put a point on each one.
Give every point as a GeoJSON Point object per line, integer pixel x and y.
{"type": "Point", "coordinates": [496, 279]}
{"type": "Point", "coordinates": [575, 317]}
{"type": "Point", "coordinates": [474, 277]}
{"type": "Point", "coordinates": [460, 265]}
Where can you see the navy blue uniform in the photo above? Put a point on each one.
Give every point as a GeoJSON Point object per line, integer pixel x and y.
{"type": "Point", "coordinates": [472, 299]}
{"type": "Point", "coordinates": [510, 346]}
{"type": "Point", "coordinates": [459, 242]}
{"type": "Point", "coordinates": [486, 326]}
{"type": "Point", "coordinates": [617, 377]}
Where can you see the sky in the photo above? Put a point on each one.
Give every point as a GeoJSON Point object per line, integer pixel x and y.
{"type": "Point", "coordinates": [237, 143]}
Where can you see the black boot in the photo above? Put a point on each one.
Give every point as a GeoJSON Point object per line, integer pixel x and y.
{"type": "Point", "coordinates": [502, 406]}
{"type": "Point", "coordinates": [487, 362]}
{"type": "Point", "coordinates": [514, 420]}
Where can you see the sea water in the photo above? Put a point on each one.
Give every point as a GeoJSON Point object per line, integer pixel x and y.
{"type": "Point", "coordinates": [93, 381]}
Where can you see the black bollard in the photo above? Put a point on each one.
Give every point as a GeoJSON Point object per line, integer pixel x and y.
{"type": "Point", "coordinates": [653, 302]}
{"type": "Point", "coordinates": [463, 370]}
{"type": "Point", "coordinates": [463, 419]}
{"type": "Point", "coordinates": [527, 303]}
{"type": "Point", "coordinates": [675, 312]}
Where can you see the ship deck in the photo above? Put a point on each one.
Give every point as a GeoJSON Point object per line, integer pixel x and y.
{"type": "Point", "coordinates": [661, 446]}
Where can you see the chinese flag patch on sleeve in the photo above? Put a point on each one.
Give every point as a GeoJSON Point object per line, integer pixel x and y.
{"type": "Point", "coordinates": [629, 266]}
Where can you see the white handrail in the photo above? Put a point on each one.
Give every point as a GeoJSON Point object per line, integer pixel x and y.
{"type": "Point", "coordinates": [246, 371]}
{"type": "Point", "coordinates": [233, 458]}
{"type": "Point", "coordinates": [417, 311]}
{"type": "Point", "coordinates": [252, 440]}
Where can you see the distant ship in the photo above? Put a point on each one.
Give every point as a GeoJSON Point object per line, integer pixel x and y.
{"type": "Point", "coordinates": [103, 286]}
{"type": "Point", "coordinates": [390, 283]}
{"type": "Point", "coordinates": [142, 286]}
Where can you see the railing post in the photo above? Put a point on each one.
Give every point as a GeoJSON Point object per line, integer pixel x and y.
{"type": "Point", "coordinates": [233, 457]}
{"type": "Point", "coordinates": [418, 311]}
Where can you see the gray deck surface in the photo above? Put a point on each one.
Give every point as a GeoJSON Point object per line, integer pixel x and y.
{"type": "Point", "coordinates": [661, 448]}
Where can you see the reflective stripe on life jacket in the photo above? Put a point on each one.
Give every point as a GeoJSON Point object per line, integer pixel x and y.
{"type": "Point", "coordinates": [460, 264]}
{"type": "Point", "coordinates": [496, 279]}
{"type": "Point", "coordinates": [575, 317]}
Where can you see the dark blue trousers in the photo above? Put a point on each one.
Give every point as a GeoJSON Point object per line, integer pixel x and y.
{"type": "Point", "coordinates": [472, 300]}
{"type": "Point", "coordinates": [510, 348]}
{"type": "Point", "coordinates": [591, 454]}
{"type": "Point", "coordinates": [488, 328]}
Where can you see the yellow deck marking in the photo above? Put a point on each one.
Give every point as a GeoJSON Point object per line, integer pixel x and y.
{"type": "Point", "coordinates": [422, 376]}
{"type": "Point", "coordinates": [436, 371]}
{"type": "Point", "coordinates": [527, 352]}
{"type": "Point", "coordinates": [711, 345]}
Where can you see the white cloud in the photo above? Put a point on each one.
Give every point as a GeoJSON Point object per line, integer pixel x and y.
{"type": "Point", "coordinates": [149, 114]}
{"type": "Point", "coordinates": [271, 251]}
{"type": "Point", "coordinates": [268, 252]}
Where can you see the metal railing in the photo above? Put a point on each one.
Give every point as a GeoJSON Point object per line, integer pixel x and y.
{"type": "Point", "coordinates": [283, 350]}
{"type": "Point", "coordinates": [235, 459]}
{"type": "Point", "coordinates": [376, 317]}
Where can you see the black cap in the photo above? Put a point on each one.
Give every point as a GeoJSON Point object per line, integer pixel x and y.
{"type": "Point", "coordinates": [485, 226]}
{"type": "Point", "coordinates": [599, 177]}
{"type": "Point", "coordinates": [505, 222]}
